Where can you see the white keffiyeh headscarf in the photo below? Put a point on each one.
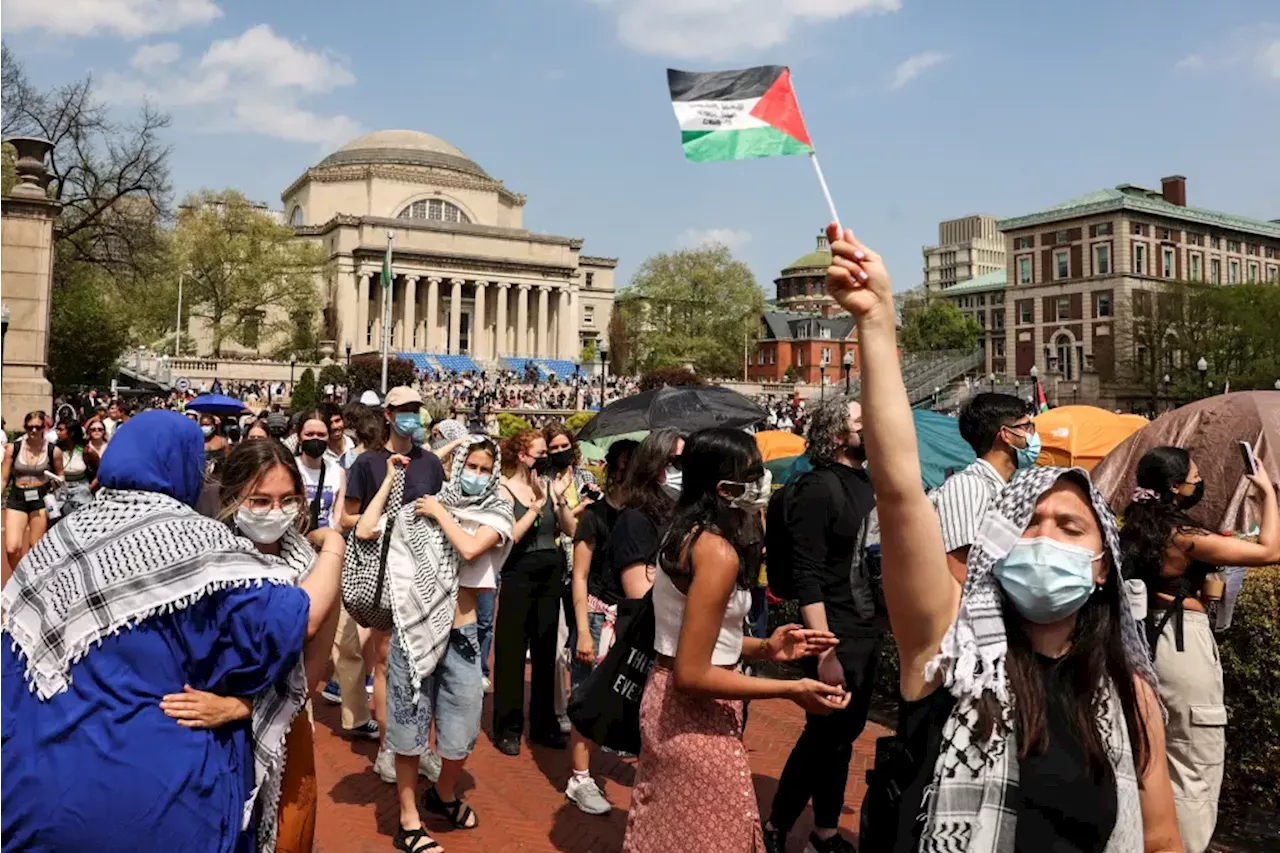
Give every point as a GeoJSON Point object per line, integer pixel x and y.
{"type": "Point", "coordinates": [971, 804]}
{"type": "Point", "coordinates": [424, 588]}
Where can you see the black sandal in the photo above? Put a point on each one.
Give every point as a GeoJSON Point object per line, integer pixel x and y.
{"type": "Point", "coordinates": [407, 840]}
{"type": "Point", "coordinates": [459, 813]}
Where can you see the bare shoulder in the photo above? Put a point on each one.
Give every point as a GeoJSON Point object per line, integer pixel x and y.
{"type": "Point", "coordinates": [711, 549]}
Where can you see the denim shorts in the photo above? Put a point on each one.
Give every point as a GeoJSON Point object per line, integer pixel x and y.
{"type": "Point", "coordinates": [452, 694]}
{"type": "Point", "coordinates": [579, 671]}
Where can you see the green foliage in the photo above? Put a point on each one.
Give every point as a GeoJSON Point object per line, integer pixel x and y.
{"type": "Point", "coordinates": [509, 424]}
{"type": "Point", "coordinates": [577, 421]}
{"type": "Point", "coordinates": [305, 395]}
{"type": "Point", "coordinates": [246, 276]}
{"type": "Point", "coordinates": [789, 374]}
{"type": "Point", "coordinates": [590, 354]}
{"type": "Point", "coordinates": [934, 325]}
{"type": "Point", "coordinates": [366, 373]}
{"type": "Point", "coordinates": [438, 411]}
{"type": "Point", "coordinates": [87, 329]}
{"type": "Point", "coordinates": [696, 306]}
{"type": "Point", "coordinates": [331, 374]}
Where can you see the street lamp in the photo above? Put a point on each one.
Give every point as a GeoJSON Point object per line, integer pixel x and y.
{"type": "Point", "coordinates": [292, 363]}
{"type": "Point", "coordinates": [937, 389]}
{"type": "Point", "coordinates": [991, 377]}
{"type": "Point", "coordinates": [603, 364]}
{"type": "Point", "coordinates": [848, 368]}
{"type": "Point", "coordinates": [1167, 380]}
{"type": "Point", "coordinates": [348, 355]}
{"type": "Point", "coordinates": [4, 327]}
{"type": "Point", "coordinates": [822, 380]}
{"type": "Point", "coordinates": [1203, 367]}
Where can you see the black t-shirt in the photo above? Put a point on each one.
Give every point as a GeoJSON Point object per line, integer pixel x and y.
{"type": "Point", "coordinates": [594, 527]}
{"type": "Point", "coordinates": [423, 476]}
{"type": "Point", "coordinates": [634, 539]}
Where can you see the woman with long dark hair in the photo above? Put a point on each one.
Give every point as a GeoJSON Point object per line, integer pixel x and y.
{"type": "Point", "coordinates": [648, 494]}
{"type": "Point", "coordinates": [1029, 713]}
{"type": "Point", "coordinates": [322, 475]}
{"type": "Point", "coordinates": [1172, 554]}
{"type": "Point", "coordinates": [75, 468]}
{"type": "Point", "coordinates": [693, 784]}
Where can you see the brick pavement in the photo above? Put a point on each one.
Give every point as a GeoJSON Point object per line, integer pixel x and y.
{"type": "Point", "coordinates": [520, 801]}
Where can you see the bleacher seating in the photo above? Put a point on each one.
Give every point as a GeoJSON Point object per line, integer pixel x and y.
{"type": "Point", "coordinates": [517, 365]}
{"type": "Point", "coordinates": [419, 362]}
{"type": "Point", "coordinates": [561, 367]}
{"type": "Point", "coordinates": [457, 363]}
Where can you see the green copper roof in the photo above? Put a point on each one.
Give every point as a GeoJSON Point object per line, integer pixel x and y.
{"type": "Point", "coordinates": [1141, 201]}
{"type": "Point", "coordinates": [813, 260]}
{"type": "Point", "coordinates": [987, 281]}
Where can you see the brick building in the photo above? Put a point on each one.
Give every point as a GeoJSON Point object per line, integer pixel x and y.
{"type": "Point", "coordinates": [968, 247]}
{"type": "Point", "coordinates": [982, 298]}
{"type": "Point", "coordinates": [800, 287]}
{"type": "Point", "coordinates": [1076, 270]}
{"type": "Point", "coordinates": [811, 346]}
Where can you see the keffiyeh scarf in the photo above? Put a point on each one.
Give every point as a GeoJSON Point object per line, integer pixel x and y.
{"type": "Point", "coordinates": [131, 555]}
{"type": "Point", "coordinates": [971, 804]}
{"type": "Point", "coordinates": [424, 589]}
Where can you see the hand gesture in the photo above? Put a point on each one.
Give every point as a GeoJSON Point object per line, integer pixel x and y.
{"type": "Point", "coordinates": [562, 482]}
{"type": "Point", "coordinates": [817, 697]}
{"type": "Point", "coordinates": [198, 709]}
{"type": "Point", "coordinates": [394, 460]}
{"type": "Point", "coordinates": [586, 651]}
{"type": "Point", "coordinates": [1260, 480]}
{"type": "Point", "coordinates": [857, 279]}
{"type": "Point", "coordinates": [791, 642]}
{"type": "Point", "coordinates": [830, 670]}
{"type": "Point", "coordinates": [428, 506]}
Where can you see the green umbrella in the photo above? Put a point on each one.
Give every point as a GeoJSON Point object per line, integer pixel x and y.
{"type": "Point", "coordinates": [595, 449]}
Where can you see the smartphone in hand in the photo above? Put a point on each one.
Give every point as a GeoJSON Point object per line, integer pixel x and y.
{"type": "Point", "coordinates": [1250, 463]}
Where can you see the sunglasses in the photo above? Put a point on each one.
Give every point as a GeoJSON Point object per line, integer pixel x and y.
{"type": "Point", "coordinates": [675, 462]}
{"type": "Point", "coordinates": [34, 427]}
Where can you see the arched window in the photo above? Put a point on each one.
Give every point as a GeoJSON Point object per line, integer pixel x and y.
{"type": "Point", "coordinates": [1066, 363]}
{"type": "Point", "coordinates": [295, 218]}
{"type": "Point", "coordinates": [434, 208]}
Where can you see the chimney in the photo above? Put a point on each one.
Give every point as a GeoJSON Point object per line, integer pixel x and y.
{"type": "Point", "coordinates": [1174, 190]}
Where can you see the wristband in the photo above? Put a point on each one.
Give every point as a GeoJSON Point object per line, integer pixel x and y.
{"type": "Point", "coordinates": [327, 551]}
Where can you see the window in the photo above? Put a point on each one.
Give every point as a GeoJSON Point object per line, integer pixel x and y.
{"type": "Point", "coordinates": [1253, 273]}
{"type": "Point", "coordinates": [1064, 308]}
{"type": "Point", "coordinates": [1215, 242]}
{"type": "Point", "coordinates": [1104, 304]}
{"type": "Point", "coordinates": [1195, 268]}
{"type": "Point", "coordinates": [1102, 228]}
{"type": "Point", "coordinates": [1233, 245]}
{"type": "Point", "coordinates": [1215, 271]}
{"type": "Point", "coordinates": [1024, 270]}
{"type": "Point", "coordinates": [826, 354]}
{"type": "Point", "coordinates": [999, 351]}
{"type": "Point", "coordinates": [824, 333]}
{"type": "Point", "coordinates": [588, 315]}
{"type": "Point", "coordinates": [760, 357]}
{"type": "Point", "coordinates": [1025, 312]}
{"type": "Point", "coordinates": [982, 318]}
{"type": "Point", "coordinates": [1233, 272]}
{"type": "Point", "coordinates": [434, 208]}
{"type": "Point", "coordinates": [982, 300]}
{"type": "Point", "coordinates": [1102, 260]}
{"type": "Point", "coordinates": [1139, 229]}
{"type": "Point", "coordinates": [252, 329]}
{"type": "Point", "coordinates": [1142, 303]}
{"type": "Point", "coordinates": [773, 356]}
{"type": "Point", "coordinates": [1022, 242]}
{"type": "Point", "coordinates": [1251, 248]}
{"type": "Point", "coordinates": [1139, 259]}
{"type": "Point", "coordinates": [1060, 237]}
{"type": "Point", "coordinates": [997, 318]}
{"type": "Point", "coordinates": [1195, 239]}
{"type": "Point", "coordinates": [1271, 252]}
{"type": "Point", "coordinates": [1166, 234]}
{"type": "Point", "coordinates": [591, 279]}
{"type": "Point", "coordinates": [1166, 268]}
{"type": "Point", "coordinates": [1062, 264]}
{"type": "Point", "coordinates": [1273, 273]}
{"type": "Point", "coordinates": [295, 218]}
{"type": "Point", "coordinates": [799, 358]}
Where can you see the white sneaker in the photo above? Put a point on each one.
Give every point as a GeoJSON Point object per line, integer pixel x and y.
{"type": "Point", "coordinates": [385, 766]}
{"type": "Point", "coordinates": [429, 766]}
{"type": "Point", "coordinates": [566, 725]}
{"type": "Point", "coordinates": [587, 796]}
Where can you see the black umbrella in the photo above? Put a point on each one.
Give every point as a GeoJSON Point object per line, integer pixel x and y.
{"type": "Point", "coordinates": [687, 408]}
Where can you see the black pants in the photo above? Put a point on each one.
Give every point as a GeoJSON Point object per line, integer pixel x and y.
{"type": "Point", "coordinates": [528, 618]}
{"type": "Point", "coordinates": [818, 767]}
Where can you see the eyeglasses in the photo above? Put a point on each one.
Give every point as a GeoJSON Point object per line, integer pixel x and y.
{"type": "Point", "coordinates": [261, 503]}
{"type": "Point", "coordinates": [34, 427]}
{"type": "Point", "coordinates": [1029, 426]}
{"type": "Point", "coordinates": [97, 429]}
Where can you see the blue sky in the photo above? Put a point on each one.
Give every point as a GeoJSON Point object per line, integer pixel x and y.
{"type": "Point", "coordinates": [921, 109]}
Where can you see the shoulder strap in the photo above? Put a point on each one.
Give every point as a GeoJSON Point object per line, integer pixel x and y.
{"type": "Point", "coordinates": [315, 502]}
{"type": "Point", "coordinates": [13, 463]}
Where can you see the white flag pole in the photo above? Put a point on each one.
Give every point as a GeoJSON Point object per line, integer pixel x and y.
{"type": "Point", "coordinates": [388, 291]}
{"type": "Point", "coordinates": [826, 193]}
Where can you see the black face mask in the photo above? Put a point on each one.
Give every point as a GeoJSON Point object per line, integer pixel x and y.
{"type": "Point", "coordinates": [1188, 501]}
{"type": "Point", "coordinates": [561, 459]}
{"type": "Point", "coordinates": [314, 447]}
{"type": "Point", "coordinates": [541, 466]}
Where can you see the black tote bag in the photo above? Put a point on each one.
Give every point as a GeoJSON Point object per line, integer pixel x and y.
{"type": "Point", "coordinates": [605, 708]}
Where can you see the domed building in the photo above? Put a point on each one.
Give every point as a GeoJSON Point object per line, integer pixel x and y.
{"type": "Point", "coordinates": [800, 285]}
{"type": "Point", "coordinates": [469, 280]}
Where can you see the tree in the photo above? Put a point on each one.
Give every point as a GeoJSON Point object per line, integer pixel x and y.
{"type": "Point", "coordinates": [577, 421]}
{"type": "Point", "coordinates": [331, 374]}
{"type": "Point", "coordinates": [934, 325]}
{"type": "Point", "coordinates": [366, 373]}
{"type": "Point", "coordinates": [589, 353]}
{"type": "Point", "coordinates": [304, 396]}
{"type": "Point", "coordinates": [674, 376]}
{"type": "Point", "coordinates": [247, 276]}
{"type": "Point", "coordinates": [697, 306]}
{"type": "Point", "coordinates": [86, 330]}
{"type": "Point", "coordinates": [619, 344]}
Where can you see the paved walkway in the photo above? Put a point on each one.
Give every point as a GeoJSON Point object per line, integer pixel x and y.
{"type": "Point", "coordinates": [520, 800]}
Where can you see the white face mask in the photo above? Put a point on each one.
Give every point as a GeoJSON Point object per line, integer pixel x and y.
{"type": "Point", "coordinates": [265, 527]}
{"type": "Point", "coordinates": [673, 482]}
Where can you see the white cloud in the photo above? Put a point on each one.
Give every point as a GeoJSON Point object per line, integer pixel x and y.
{"type": "Point", "coordinates": [701, 238]}
{"type": "Point", "coordinates": [128, 18]}
{"type": "Point", "coordinates": [155, 55]}
{"type": "Point", "coordinates": [1194, 62]}
{"type": "Point", "coordinates": [723, 29]}
{"type": "Point", "coordinates": [251, 83]}
{"type": "Point", "coordinates": [1255, 49]}
{"type": "Point", "coordinates": [910, 69]}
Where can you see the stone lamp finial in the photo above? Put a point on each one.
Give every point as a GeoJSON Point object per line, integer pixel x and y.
{"type": "Point", "coordinates": [33, 178]}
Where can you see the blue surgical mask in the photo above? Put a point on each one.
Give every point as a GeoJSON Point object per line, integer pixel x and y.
{"type": "Point", "coordinates": [407, 423]}
{"type": "Point", "coordinates": [1047, 580]}
{"type": "Point", "coordinates": [473, 484]}
{"type": "Point", "coordinates": [1028, 455]}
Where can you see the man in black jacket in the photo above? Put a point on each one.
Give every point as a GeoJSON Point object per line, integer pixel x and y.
{"type": "Point", "coordinates": [825, 522]}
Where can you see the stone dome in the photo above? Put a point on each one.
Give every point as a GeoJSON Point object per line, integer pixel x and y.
{"type": "Point", "coordinates": [405, 147]}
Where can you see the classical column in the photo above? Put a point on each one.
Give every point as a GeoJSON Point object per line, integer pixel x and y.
{"type": "Point", "coordinates": [408, 340]}
{"type": "Point", "coordinates": [522, 320]}
{"type": "Point", "coordinates": [501, 346]}
{"type": "Point", "coordinates": [479, 333]}
{"type": "Point", "coordinates": [360, 340]}
{"type": "Point", "coordinates": [433, 314]}
{"type": "Point", "coordinates": [455, 316]}
{"type": "Point", "coordinates": [544, 319]}
{"type": "Point", "coordinates": [568, 336]}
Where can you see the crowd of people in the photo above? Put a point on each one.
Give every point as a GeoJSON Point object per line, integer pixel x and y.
{"type": "Point", "coordinates": [199, 580]}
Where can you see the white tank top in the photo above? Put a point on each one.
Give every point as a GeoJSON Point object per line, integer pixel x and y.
{"type": "Point", "coordinates": [668, 615]}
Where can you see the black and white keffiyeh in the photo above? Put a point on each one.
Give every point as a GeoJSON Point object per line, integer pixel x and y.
{"type": "Point", "coordinates": [131, 555]}
{"type": "Point", "coordinates": [422, 564]}
{"type": "Point", "coordinates": [971, 804]}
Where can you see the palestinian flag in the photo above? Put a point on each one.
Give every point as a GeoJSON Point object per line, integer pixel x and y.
{"type": "Point", "coordinates": [1042, 402]}
{"type": "Point", "coordinates": [387, 275]}
{"type": "Point", "coordinates": [736, 115]}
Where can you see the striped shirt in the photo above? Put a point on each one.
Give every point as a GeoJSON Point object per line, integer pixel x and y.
{"type": "Point", "coordinates": [962, 500]}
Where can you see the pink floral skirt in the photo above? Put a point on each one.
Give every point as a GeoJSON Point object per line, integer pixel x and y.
{"type": "Point", "coordinates": [693, 786]}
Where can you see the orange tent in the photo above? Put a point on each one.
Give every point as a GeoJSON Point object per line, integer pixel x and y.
{"type": "Point", "coordinates": [1082, 435]}
{"type": "Point", "coordinates": [778, 444]}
